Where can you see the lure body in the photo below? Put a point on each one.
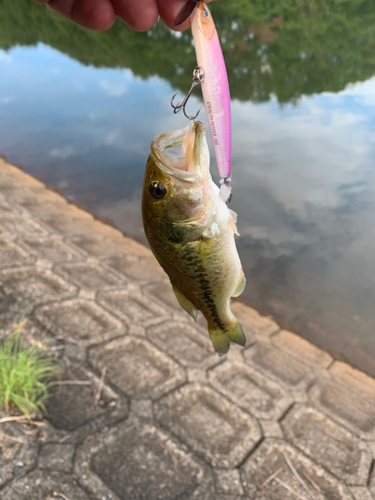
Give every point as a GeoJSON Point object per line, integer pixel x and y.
{"type": "Point", "coordinates": [215, 87]}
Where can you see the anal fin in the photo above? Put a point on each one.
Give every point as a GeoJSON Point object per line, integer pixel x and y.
{"type": "Point", "coordinates": [185, 303]}
{"type": "Point", "coordinates": [240, 287]}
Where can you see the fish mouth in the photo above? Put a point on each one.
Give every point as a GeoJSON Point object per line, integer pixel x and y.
{"type": "Point", "coordinates": [182, 153]}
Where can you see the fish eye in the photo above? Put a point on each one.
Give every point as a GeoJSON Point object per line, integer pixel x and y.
{"type": "Point", "coordinates": [157, 190]}
{"type": "Point", "coordinates": [206, 12]}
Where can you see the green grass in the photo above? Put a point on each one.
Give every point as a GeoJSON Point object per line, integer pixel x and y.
{"type": "Point", "coordinates": [25, 374]}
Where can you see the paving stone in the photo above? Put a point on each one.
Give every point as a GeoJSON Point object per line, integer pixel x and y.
{"type": "Point", "coordinates": [184, 342]}
{"type": "Point", "coordinates": [132, 307]}
{"type": "Point", "coordinates": [228, 481]}
{"type": "Point", "coordinates": [139, 463]}
{"type": "Point", "coordinates": [80, 320]}
{"type": "Point", "coordinates": [253, 324]}
{"type": "Point", "coordinates": [18, 452]}
{"type": "Point", "coordinates": [36, 205]}
{"type": "Point", "coordinates": [347, 399]}
{"type": "Point", "coordinates": [328, 444]}
{"type": "Point", "coordinates": [268, 459]}
{"type": "Point", "coordinates": [84, 418]}
{"type": "Point", "coordinates": [57, 457]}
{"type": "Point", "coordinates": [51, 249]}
{"type": "Point", "coordinates": [215, 428]}
{"type": "Point", "coordinates": [136, 367]}
{"type": "Point", "coordinates": [11, 255]}
{"type": "Point", "coordinates": [251, 390]}
{"type": "Point", "coordinates": [35, 285]}
{"type": "Point", "coordinates": [16, 224]}
{"type": "Point", "coordinates": [41, 485]}
{"type": "Point", "coordinates": [163, 292]}
{"type": "Point", "coordinates": [5, 207]}
{"type": "Point", "coordinates": [97, 246]}
{"type": "Point", "coordinates": [271, 429]}
{"type": "Point", "coordinates": [372, 482]}
{"type": "Point", "coordinates": [90, 276]}
{"type": "Point", "coordinates": [302, 349]}
{"type": "Point", "coordinates": [360, 493]}
{"type": "Point", "coordinates": [138, 268]}
{"type": "Point", "coordinates": [65, 225]}
{"type": "Point", "coordinates": [279, 366]}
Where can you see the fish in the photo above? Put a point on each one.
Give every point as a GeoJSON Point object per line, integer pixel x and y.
{"type": "Point", "coordinates": [191, 231]}
{"type": "Point", "coordinates": [215, 86]}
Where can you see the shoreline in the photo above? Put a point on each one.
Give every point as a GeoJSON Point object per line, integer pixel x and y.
{"type": "Point", "coordinates": [115, 233]}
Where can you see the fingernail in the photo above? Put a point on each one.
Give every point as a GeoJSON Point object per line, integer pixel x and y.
{"type": "Point", "coordinates": [185, 13]}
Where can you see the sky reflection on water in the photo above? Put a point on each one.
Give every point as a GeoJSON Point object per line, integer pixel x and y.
{"type": "Point", "coordinates": [303, 180]}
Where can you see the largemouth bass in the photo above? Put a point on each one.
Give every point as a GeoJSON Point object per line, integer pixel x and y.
{"type": "Point", "coordinates": [191, 231]}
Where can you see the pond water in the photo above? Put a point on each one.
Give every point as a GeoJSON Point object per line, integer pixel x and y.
{"type": "Point", "coordinates": [80, 109]}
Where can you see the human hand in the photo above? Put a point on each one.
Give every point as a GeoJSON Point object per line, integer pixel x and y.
{"type": "Point", "coordinates": [141, 15]}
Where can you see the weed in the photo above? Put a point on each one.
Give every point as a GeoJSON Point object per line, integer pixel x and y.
{"type": "Point", "coordinates": [25, 372]}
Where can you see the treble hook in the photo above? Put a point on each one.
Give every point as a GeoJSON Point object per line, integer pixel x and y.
{"type": "Point", "coordinates": [198, 77]}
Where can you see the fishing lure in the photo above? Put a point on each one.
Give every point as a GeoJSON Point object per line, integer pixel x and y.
{"type": "Point", "coordinates": [212, 75]}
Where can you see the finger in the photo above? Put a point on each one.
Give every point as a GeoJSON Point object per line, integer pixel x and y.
{"type": "Point", "coordinates": [173, 12]}
{"type": "Point", "coordinates": [141, 15]}
{"type": "Point", "coordinates": [92, 14]}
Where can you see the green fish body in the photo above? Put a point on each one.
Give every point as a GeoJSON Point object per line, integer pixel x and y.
{"type": "Point", "coordinates": [191, 231]}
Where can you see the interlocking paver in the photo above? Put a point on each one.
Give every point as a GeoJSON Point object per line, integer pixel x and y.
{"type": "Point", "coordinates": [84, 418]}
{"type": "Point", "coordinates": [36, 285]}
{"type": "Point", "coordinates": [53, 249]}
{"type": "Point", "coordinates": [228, 482]}
{"type": "Point", "coordinates": [345, 396]}
{"type": "Point", "coordinates": [215, 428]}
{"type": "Point", "coordinates": [269, 459]}
{"type": "Point", "coordinates": [163, 292]}
{"type": "Point", "coordinates": [279, 365]}
{"type": "Point", "coordinates": [328, 444]}
{"type": "Point", "coordinates": [132, 307]}
{"type": "Point", "coordinates": [41, 485]}
{"type": "Point", "coordinates": [359, 493]}
{"type": "Point", "coordinates": [65, 225]}
{"type": "Point", "coordinates": [137, 368]}
{"type": "Point", "coordinates": [302, 349]}
{"type": "Point", "coordinates": [138, 268]}
{"type": "Point", "coordinates": [57, 457]}
{"type": "Point", "coordinates": [17, 224]}
{"type": "Point", "coordinates": [140, 463]}
{"type": "Point", "coordinates": [251, 390]}
{"type": "Point", "coordinates": [184, 342]}
{"type": "Point", "coordinates": [96, 246]}
{"type": "Point", "coordinates": [81, 320]}
{"type": "Point", "coordinates": [18, 451]}
{"type": "Point", "coordinates": [90, 276]}
{"type": "Point", "coordinates": [11, 255]}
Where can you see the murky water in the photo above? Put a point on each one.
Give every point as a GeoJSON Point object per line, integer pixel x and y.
{"type": "Point", "coordinates": [80, 109]}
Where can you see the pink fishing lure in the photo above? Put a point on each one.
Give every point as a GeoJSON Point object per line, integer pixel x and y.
{"type": "Point", "coordinates": [215, 87]}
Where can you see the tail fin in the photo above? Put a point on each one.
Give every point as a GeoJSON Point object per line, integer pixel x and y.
{"type": "Point", "coordinates": [221, 339]}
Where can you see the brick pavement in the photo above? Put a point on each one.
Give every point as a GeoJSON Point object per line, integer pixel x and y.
{"type": "Point", "coordinates": [278, 420]}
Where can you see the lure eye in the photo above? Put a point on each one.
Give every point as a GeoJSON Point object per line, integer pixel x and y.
{"type": "Point", "coordinates": [206, 12]}
{"type": "Point", "coordinates": [157, 190]}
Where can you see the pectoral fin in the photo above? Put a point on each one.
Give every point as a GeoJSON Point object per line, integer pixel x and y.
{"type": "Point", "coordinates": [240, 287]}
{"type": "Point", "coordinates": [233, 221]}
{"type": "Point", "coordinates": [185, 303]}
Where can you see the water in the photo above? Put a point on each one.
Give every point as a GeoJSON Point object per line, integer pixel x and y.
{"type": "Point", "coordinates": [80, 108]}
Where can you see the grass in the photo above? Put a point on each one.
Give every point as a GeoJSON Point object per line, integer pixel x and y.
{"type": "Point", "coordinates": [25, 372]}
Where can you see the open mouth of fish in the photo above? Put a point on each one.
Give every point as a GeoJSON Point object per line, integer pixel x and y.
{"type": "Point", "coordinates": [183, 153]}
